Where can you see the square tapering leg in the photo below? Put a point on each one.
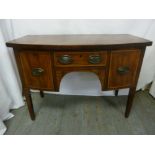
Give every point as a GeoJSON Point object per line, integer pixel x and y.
{"type": "Point", "coordinates": [41, 93]}
{"type": "Point", "coordinates": [130, 101]}
{"type": "Point", "coordinates": [29, 103]}
{"type": "Point", "coordinates": [116, 92]}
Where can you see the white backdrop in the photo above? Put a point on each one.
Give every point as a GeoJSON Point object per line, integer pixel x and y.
{"type": "Point", "coordinates": [73, 83]}
{"type": "Point", "coordinates": [10, 92]}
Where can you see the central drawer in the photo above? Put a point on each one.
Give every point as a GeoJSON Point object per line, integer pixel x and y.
{"type": "Point", "coordinates": [69, 59]}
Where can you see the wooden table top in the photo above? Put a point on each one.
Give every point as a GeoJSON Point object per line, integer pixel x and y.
{"type": "Point", "coordinates": [79, 40]}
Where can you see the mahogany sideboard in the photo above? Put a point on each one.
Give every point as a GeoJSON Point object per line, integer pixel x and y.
{"type": "Point", "coordinates": [43, 60]}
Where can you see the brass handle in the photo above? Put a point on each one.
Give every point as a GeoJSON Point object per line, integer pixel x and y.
{"type": "Point", "coordinates": [37, 71]}
{"type": "Point", "coordinates": [123, 70]}
{"type": "Point", "coordinates": [95, 59]}
{"type": "Point", "coordinates": [65, 59]}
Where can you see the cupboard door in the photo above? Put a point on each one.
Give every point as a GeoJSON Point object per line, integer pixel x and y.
{"type": "Point", "coordinates": [37, 69]}
{"type": "Point", "coordinates": [123, 68]}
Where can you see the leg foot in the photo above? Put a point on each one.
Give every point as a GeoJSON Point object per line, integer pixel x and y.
{"type": "Point", "coordinates": [130, 101]}
{"type": "Point", "coordinates": [29, 103]}
{"type": "Point", "coordinates": [41, 93]}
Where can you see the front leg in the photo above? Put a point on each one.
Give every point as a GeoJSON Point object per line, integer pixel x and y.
{"type": "Point", "coordinates": [29, 103]}
{"type": "Point", "coordinates": [130, 101]}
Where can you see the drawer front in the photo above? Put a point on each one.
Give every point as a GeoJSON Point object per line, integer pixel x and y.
{"type": "Point", "coordinates": [123, 68]}
{"type": "Point", "coordinates": [69, 59]}
{"type": "Point", "coordinates": [37, 69]}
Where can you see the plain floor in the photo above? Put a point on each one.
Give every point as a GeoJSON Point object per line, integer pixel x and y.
{"type": "Point", "coordinates": [84, 115]}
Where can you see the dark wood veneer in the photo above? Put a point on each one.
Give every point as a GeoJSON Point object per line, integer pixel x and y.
{"type": "Point", "coordinates": [32, 60]}
{"type": "Point", "coordinates": [79, 42]}
{"type": "Point", "coordinates": [123, 58]}
{"type": "Point", "coordinates": [43, 60]}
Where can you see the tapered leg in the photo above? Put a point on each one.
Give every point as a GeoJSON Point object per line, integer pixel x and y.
{"type": "Point", "coordinates": [41, 93]}
{"type": "Point", "coordinates": [130, 101]}
{"type": "Point", "coordinates": [29, 103]}
{"type": "Point", "coordinates": [116, 92]}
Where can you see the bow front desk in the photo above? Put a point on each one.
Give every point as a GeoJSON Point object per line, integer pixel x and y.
{"type": "Point", "coordinates": [43, 60]}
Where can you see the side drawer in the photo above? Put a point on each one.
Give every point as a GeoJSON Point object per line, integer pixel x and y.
{"type": "Point", "coordinates": [37, 69]}
{"type": "Point", "coordinates": [69, 59]}
{"type": "Point", "coordinates": [123, 68]}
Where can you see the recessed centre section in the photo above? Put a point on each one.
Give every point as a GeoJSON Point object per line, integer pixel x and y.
{"type": "Point", "coordinates": [80, 83]}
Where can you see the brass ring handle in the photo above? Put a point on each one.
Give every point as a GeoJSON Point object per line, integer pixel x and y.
{"type": "Point", "coordinates": [65, 59]}
{"type": "Point", "coordinates": [37, 71]}
{"type": "Point", "coordinates": [123, 70]}
{"type": "Point", "coordinates": [94, 59]}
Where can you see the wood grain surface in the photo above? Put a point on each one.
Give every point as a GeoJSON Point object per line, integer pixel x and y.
{"type": "Point", "coordinates": [94, 41]}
